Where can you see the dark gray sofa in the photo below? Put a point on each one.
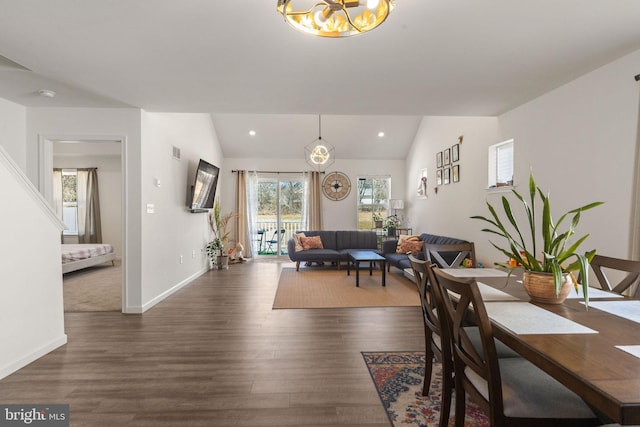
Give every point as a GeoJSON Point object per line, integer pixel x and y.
{"type": "Point", "coordinates": [337, 245]}
{"type": "Point", "coordinates": [401, 260]}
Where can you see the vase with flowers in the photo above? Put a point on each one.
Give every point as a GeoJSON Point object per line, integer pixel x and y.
{"type": "Point", "coordinates": [553, 273]}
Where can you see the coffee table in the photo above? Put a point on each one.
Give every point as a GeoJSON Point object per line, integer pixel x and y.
{"type": "Point", "coordinates": [366, 256]}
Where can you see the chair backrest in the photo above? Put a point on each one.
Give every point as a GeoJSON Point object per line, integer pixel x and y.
{"type": "Point", "coordinates": [435, 328]}
{"type": "Point", "coordinates": [632, 268]}
{"type": "Point", "coordinates": [450, 255]}
{"type": "Point", "coordinates": [478, 371]}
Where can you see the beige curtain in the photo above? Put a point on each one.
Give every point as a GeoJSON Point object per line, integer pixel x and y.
{"type": "Point", "coordinates": [89, 226]}
{"type": "Point", "coordinates": [314, 211]}
{"type": "Point", "coordinates": [242, 221]}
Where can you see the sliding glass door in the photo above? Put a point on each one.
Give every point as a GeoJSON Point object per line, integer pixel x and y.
{"type": "Point", "coordinates": [280, 212]}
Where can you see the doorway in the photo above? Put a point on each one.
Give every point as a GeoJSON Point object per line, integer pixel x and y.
{"type": "Point", "coordinates": [280, 213]}
{"type": "Point", "coordinates": [108, 157]}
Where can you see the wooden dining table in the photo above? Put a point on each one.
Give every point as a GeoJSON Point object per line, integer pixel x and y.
{"type": "Point", "coordinates": [588, 359]}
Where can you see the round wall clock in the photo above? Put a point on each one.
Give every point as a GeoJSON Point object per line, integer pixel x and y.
{"type": "Point", "coordinates": [336, 186]}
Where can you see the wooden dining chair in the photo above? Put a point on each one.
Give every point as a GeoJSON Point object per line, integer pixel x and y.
{"type": "Point", "coordinates": [601, 263]}
{"type": "Point", "coordinates": [511, 391]}
{"type": "Point", "coordinates": [450, 255]}
{"type": "Point", "coordinates": [436, 338]}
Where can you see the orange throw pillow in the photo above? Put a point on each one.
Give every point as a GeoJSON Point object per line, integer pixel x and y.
{"type": "Point", "coordinates": [409, 244]}
{"type": "Point", "coordinates": [311, 243]}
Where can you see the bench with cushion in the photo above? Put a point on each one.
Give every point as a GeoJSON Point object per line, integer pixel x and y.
{"type": "Point", "coordinates": [335, 245]}
{"type": "Point", "coordinates": [398, 256]}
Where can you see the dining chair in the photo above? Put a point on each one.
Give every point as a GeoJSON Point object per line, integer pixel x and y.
{"type": "Point", "coordinates": [437, 337]}
{"type": "Point", "coordinates": [450, 255]}
{"type": "Point", "coordinates": [511, 391]}
{"type": "Point", "coordinates": [630, 281]}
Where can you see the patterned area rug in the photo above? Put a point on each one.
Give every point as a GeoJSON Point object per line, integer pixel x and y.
{"type": "Point", "coordinates": [398, 380]}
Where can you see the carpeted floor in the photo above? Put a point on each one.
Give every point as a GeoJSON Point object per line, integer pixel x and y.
{"type": "Point", "coordinates": [398, 379]}
{"type": "Point", "coordinates": [97, 288]}
{"type": "Point", "coordinates": [327, 287]}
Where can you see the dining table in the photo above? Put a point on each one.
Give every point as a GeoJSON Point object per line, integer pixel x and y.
{"type": "Point", "coordinates": [594, 351]}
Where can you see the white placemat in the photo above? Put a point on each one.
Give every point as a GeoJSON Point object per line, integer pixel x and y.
{"type": "Point", "coordinates": [631, 349]}
{"type": "Point", "coordinates": [475, 272]}
{"type": "Point", "coordinates": [627, 309]}
{"type": "Point", "coordinates": [525, 318]}
{"type": "Point", "coordinates": [594, 293]}
{"type": "Point", "coordinates": [492, 294]}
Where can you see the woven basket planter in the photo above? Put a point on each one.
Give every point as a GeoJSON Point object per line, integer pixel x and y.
{"type": "Point", "coordinates": [541, 288]}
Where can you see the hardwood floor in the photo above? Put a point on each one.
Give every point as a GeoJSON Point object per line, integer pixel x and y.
{"type": "Point", "coordinates": [216, 354]}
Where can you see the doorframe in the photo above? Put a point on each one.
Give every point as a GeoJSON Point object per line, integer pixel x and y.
{"type": "Point", "coordinates": [45, 185]}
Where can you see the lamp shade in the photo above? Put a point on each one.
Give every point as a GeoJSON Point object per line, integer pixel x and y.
{"type": "Point", "coordinates": [396, 204]}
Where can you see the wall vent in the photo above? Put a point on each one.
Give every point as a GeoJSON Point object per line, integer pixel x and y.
{"type": "Point", "coordinates": [176, 152]}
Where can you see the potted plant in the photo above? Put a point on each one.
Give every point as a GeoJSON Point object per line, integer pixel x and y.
{"type": "Point", "coordinates": [556, 252]}
{"type": "Point", "coordinates": [377, 220]}
{"type": "Point", "coordinates": [215, 248]}
{"type": "Point", "coordinates": [391, 223]}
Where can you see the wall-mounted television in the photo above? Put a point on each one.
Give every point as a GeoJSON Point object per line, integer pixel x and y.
{"type": "Point", "coordinates": [203, 190]}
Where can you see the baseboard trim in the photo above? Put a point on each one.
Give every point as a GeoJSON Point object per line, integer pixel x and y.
{"type": "Point", "coordinates": [166, 294]}
{"type": "Point", "coordinates": [37, 354]}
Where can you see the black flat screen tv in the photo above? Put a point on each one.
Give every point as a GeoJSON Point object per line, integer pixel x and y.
{"type": "Point", "coordinates": [203, 190]}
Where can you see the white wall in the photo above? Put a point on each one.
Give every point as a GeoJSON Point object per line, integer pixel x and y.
{"type": "Point", "coordinates": [172, 232]}
{"type": "Point", "coordinates": [109, 187]}
{"type": "Point", "coordinates": [447, 212]}
{"type": "Point", "coordinates": [13, 118]}
{"type": "Point", "coordinates": [579, 140]}
{"type": "Point", "coordinates": [336, 215]}
{"type": "Point", "coordinates": [31, 307]}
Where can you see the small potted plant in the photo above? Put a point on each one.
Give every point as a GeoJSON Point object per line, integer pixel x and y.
{"type": "Point", "coordinates": [377, 220]}
{"type": "Point", "coordinates": [554, 271]}
{"type": "Point", "coordinates": [391, 224]}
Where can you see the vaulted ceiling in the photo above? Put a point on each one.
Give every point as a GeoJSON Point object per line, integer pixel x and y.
{"type": "Point", "coordinates": [240, 62]}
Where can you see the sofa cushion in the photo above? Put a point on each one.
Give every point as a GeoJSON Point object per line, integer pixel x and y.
{"type": "Point", "coordinates": [354, 239]}
{"type": "Point", "coordinates": [313, 242]}
{"type": "Point", "coordinates": [296, 240]}
{"type": "Point", "coordinates": [328, 237]}
{"type": "Point", "coordinates": [409, 244]}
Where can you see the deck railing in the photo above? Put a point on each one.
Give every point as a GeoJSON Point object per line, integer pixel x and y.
{"type": "Point", "coordinates": [266, 240]}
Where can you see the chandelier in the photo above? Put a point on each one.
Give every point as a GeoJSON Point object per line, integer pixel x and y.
{"type": "Point", "coordinates": [335, 18]}
{"type": "Point", "coordinates": [319, 153]}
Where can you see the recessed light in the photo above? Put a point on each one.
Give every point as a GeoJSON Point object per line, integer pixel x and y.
{"type": "Point", "coordinates": [252, 132]}
{"type": "Point", "coordinates": [380, 134]}
{"type": "Point", "coordinates": [47, 93]}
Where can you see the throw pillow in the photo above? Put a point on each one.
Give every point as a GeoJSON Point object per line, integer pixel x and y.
{"type": "Point", "coordinates": [409, 244]}
{"type": "Point", "coordinates": [296, 240]}
{"type": "Point", "coordinates": [311, 243]}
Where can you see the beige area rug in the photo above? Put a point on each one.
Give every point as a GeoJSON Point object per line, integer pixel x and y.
{"type": "Point", "coordinates": [97, 288]}
{"type": "Point", "coordinates": [330, 288]}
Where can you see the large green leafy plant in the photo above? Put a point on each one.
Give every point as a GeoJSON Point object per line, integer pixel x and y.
{"type": "Point", "coordinates": [558, 255]}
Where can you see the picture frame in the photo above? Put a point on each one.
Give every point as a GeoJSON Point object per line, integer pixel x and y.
{"type": "Point", "coordinates": [439, 177]}
{"type": "Point", "coordinates": [439, 159]}
{"type": "Point", "coordinates": [446, 157]}
{"type": "Point", "coordinates": [455, 173]}
{"type": "Point", "coordinates": [455, 153]}
{"type": "Point", "coordinates": [422, 184]}
{"type": "Point", "coordinates": [446, 175]}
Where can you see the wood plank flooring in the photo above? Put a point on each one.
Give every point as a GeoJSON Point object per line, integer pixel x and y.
{"type": "Point", "coordinates": [216, 354]}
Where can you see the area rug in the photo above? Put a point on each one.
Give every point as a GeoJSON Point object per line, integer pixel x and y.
{"type": "Point", "coordinates": [97, 288]}
{"type": "Point", "coordinates": [398, 380]}
{"type": "Point", "coordinates": [332, 288]}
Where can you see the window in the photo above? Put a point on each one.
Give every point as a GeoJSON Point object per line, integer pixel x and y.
{"type": "Point", "coordinates": [70, 201]}
{"type": "Point", "coordinates": [373, 199]}
{"type": "Point", "coordinates": [501, 164]}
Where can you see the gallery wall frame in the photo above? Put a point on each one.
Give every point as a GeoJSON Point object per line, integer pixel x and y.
{"type": "Point", "coordinates": [455, 153]}
{"type": "Point", "coordinates": [455, 171]}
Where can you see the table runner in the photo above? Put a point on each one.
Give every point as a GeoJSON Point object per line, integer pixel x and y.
{"type": "Point", "coordinates": [526, 318]}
